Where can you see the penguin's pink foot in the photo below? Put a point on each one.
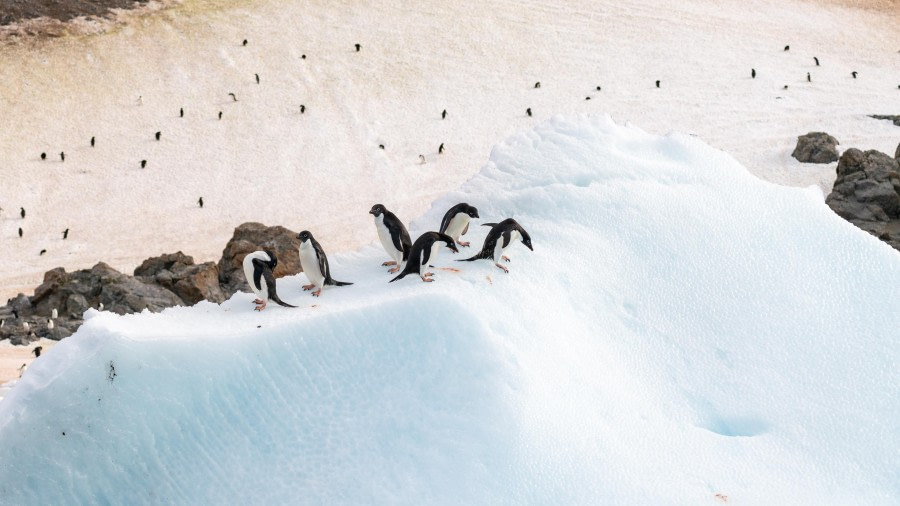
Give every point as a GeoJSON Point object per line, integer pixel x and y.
{"type": "Point", "coordinates": [506, 258]}
{"type": "Point", "coordinates": [464, 244]}
{"type": "Point", "coordinates": [394, 270]}
{"type": "Point", "coordinates": [388, 263]}
{"type": "Point", "coordinates": [317, 292]}
{"type": "Point", "coordinates": [308, 287]}
{"type": "Point", "coordinates": [261, 306]}
{"type": "Point", "coordinates": [428, 274]}
{"type": "Point", "coordinates": [427, 280]}
{"type": "Point", "coordinates": [503, 267]}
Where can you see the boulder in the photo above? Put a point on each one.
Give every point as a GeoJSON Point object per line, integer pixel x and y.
{"type": "Point", "coordinates": [250, 237]}
{"type": "Point", "coordinates": [816, 147]}
{"type": "Point", "coordinates": [177, 273]}
{"type": "Point", "coordinates": [866, 192]}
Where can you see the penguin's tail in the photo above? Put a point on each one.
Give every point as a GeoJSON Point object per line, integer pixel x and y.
{"type": "Point", "coordinates": [400, 276]}
{"type": "Point", "coordinates": [280, 302]}
{"type": "Point", "coordinates": [340, 283]}
{"type": "Point", "coordinates": [480, 256]}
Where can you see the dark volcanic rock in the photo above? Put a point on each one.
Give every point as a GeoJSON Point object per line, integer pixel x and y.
{"type": "Point", "coordinates": [894, 119]}
{"type": "Point", "coordinates": [177, 273]}
{"type": "Point", "coordinates": [251, 237]}
{"type": "Point", "coordinates": [867, 193]}
{"type": "Point", "coordinates": [816, 147]}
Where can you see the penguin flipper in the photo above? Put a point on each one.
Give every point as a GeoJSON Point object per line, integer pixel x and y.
{"type": "Point", "coordinates": [278, 301]}
{"type": "Point", "coordinates": [400, 276]}
{"type": "Point", "coordinates": [270, 284]}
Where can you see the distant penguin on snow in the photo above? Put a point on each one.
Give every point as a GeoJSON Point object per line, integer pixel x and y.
{"type": "Point", "coordinates": [258, 269]}
{"type": "Point", "coordinates": [753, 73]}
{"type": "Point", "coordinates": [393, 235]}
{"type": "Point", "coordinates": [499, 239]}
{"type": "Point", "coordinates": [420, 254]}
{"type": "Point", "coordinates": [315, 264]}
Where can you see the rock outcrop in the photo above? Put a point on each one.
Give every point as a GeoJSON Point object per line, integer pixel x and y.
{"type": "Point", "coordinates": [867, 193]}
{"type": "Point", "coordinates": [164, 281]}
{"type": "Point", "coordinates": [251, 237]}
{"type": "Point", "coordinates": [816, 147]}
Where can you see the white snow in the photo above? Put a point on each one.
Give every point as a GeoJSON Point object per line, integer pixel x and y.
{"type": "Point", "coordinates": [322, 170]}
{"type": "Point", "coordinates": [683, 331]}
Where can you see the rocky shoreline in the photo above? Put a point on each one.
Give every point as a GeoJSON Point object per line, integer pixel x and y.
{"type": "Point", "coordinates": [14, 11]}
{"type": "Point", "coordinates": [56, 308]}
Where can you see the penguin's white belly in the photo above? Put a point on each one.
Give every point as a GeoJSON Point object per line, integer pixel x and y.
{"type": "Point", "coordinates": [499, 250]}
{"type": "Point", "coordinates": [457, 224]}
{"type": "Point", "coordinates": [435, 248]}
{"type": "Point", "coordinates": [248, 273]}
{"type": "Point", "coordinates": [385, 236]}
{"type": "Point", "coordinates": [310, 265]}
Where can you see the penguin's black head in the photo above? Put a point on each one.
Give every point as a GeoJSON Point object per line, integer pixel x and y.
{"type": "Point", "coordinates": [449, 242]}
{"type": "Point", "coordinates": [304, 236]}
{"type": "Point", "coordinates": [274, 261]}
{"type": "Point", "coordinates": [377, 210]}
{"type": "Point", "coordinates": [526, 240]}
{"type": "Point", "coordinates": [472, 212]}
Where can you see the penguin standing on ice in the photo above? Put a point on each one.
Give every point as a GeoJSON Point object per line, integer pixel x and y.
{"type": "Point", "coordinates": [499, 239]}
{"type": "Point", "coordinates": [393, 235]}
{"type": "Point", "coordinates": [456, 221]}
{"type": "Point", "coordinates": [315, 264]}
{"type": "Point", "coordinates": [258, 268]}
{"type": "Point", "coordinates": [420, 253]}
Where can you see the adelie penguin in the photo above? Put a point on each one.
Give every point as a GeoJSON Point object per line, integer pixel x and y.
{"type": "Point", "coordinates": [421, 252]}
{"type": "Point", "coordinates": [158, 135]}
{"type": "Point", "coordinates": [257, 78]}
{"type": "Point", "coordinates": [444, 114]}
{"type": "Point", "coordinates": [233, 97]}
{"type": "Point", "coordinates": [200, 201]}
{"type": "Point", "coordinates": [456, 221]}
{"type": "Point", "coordinates": [817, 60]}
{"type": "Point", "coordinates": [393, 235]}
{"type": "Point", "coordinates": [753, 73]}
{"type": "Point", "coordinates": [500, 238]}
{"type": "Point", "coordinates": [537, 85]}
{"type": "Point", "coordinates": [441, 149]}
{"type": "Point", "coordinates": [455, 224]}
{"type": "Point", "coordinates": [92, 142]}
{"type": "Point", "coordinates": [22, 212]}
{"type": "Point", "coordinates": [854, 74]}
{"type": "Point", "coordinates": [808, 78]}
{"type": "Point", "coordinates": [358, 47]}
{"type": "Point", "coordinates": [258, 269]}
{"type": "Point", "coordinates": [65, 234]}
{"type": "Point", "coordinates": [528, 111]}
{"type": "Point", "coordinates": [657, 83]}
{"type": "Point", "coordinates": [315, 264]}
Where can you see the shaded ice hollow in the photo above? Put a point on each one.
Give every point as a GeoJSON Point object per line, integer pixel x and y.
{"type": "Point", "coordinates": [682, 329]}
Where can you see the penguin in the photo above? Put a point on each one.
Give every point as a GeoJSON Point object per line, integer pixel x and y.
{"type": "Point", "coordinates": [817, 60]}
{"type": "Point", "coordinates": [455, 224]}
{"type": "Point", "coordinates": [441, 149]}
{"type": "Point", "coordinates": [22, 212]}
{"type": "Point", "coordinates": [302, 108]}
{"type": "Point", "coordinates": [92, 141]}
{"type": "Point", "coordinates": [42, 252]}
{"type": "Point", "coordinates": [50, 325]}
{"type": "Point", "coordinates": [444, 114]}
{"type": "Point", "coordinates": [528, 111]}
{"type": "Point", "coordinates": [200, 201]}
{"type": "Point", "coordinates": [257, 78]}
{"type": "Point", "coordinates": [158, 135]}
{"type": "Point", "coordinates": [753, 73]}
{"type": "Point", "coordinates": [420, 254]}
{"type": "Point", "coordinates": [587, 98]}
{"type": "Point", "coordinates": [302, 56]}
{"type": "Point", "coordinates": [245, 42]}
{"type": "Point", "coordinates": [456, 221]}
{"type": "Point", "coordinates": [258, 268]}
{"type": "Point", "coordinates": [54, 313]}
{"type": "Point", "coordinates": [315, 264]}
{"type": "Point", "coordinates": [808, 78]}
{"type": "Point", "coordinates": [599, 88]}
{"type": "Point", "coordinates": [785, 86]}
{"type": "Point", "coordinates": [21, 369]}
{"type": "Point", "coordinates": [537, 85]}
{"type": "Point", "coordinates": [181, 112]}
{"type": "Point", "coordinates": [220, 114]}
{"type": "Point", "coordinates": [381, 146]}
{"type": "Point", "coordinates": [500, 238]}
{"type": "Point", "coordinates": [62, 156]}
{"type": "Point", "coordinates": [657, 83]}
{"type": "Point", "coordinates": [233, 97]}
{"type": "Point", "coordinates": [358, 47]}
{"type": "Point", "coordinates": [143, 163]}
{"type": "Point", "coordinates": [20, 231]}
{"type": "Point", "coordinates": [393, 235]}
{"type": "Point", "coordinates": [37, 351]}
{"type": "Point", "coordinates": [65, 234]}
{"type": "Point", "coordinates": [422, 159]}
{"type": "Point", "coordinates": [787, 48]}
{"type": "Point", "coordinates": [853, 74]}
{"type": "Point", "coordinates": [43, 156]}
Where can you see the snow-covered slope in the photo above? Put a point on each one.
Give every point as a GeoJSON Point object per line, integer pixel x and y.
{"type": "Point", "coordinates": [681, 330]}
{"type": "Point", "coordinates": [266, 162]}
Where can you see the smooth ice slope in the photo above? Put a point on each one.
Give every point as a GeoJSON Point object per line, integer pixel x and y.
{"type": "Point", "coordinates": [681, 330]}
